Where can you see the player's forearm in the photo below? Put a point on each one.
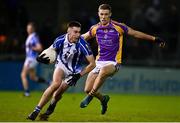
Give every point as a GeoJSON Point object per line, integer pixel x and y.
{"type": "Point", "coordinates": [87, 69]}
{"type": "Point", "coordinates": [141, 35]}
{"type": "Point", "coordinates": [86, 36]}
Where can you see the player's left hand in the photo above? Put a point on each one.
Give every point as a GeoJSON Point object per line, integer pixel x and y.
{"type": "Point", "coordinates": [74, 79]}
{"type": "Point", "coordinates": [43, 59]}
{"type": "Point", "coordinates": [161, 43]}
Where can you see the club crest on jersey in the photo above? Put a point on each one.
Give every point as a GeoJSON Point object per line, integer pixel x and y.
{"type": "Point", "coordinates": [105, 30]}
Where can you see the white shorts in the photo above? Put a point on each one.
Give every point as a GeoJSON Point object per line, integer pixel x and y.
{"type": "Point", "coordinates": [67, 73]}
{"type": "Point", "coordinates": [30, 62]}
{"type": "Point", "coordinates": [100, 64]}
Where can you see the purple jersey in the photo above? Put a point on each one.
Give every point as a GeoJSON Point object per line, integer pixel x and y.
{"type": "Point", "coordinates": [110, 40]}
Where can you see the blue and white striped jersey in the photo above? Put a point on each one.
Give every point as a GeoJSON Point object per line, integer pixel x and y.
{"type": "Point", "coordinates": [31, 41]}
{"type": "Point", "coordinates": [71, 54]}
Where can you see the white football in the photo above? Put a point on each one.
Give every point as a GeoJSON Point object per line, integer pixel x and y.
{"type": "Point", "coordinates": [51, 53]}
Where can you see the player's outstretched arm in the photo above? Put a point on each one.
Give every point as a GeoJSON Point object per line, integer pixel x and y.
{"type": "Point", "coordinates": [86, 36]}
{"type": "Point", "coordinates": [142, 35]}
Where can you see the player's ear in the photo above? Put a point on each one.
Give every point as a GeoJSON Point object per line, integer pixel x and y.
{"type": "Point", "coordinates": [98, 14]}
{"type": "Point", "coordinates": [110, 14]}
{"type": "Point", "coordinates": [68, 30]}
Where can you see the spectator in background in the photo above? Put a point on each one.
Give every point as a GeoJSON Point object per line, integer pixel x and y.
{"type": "Point", "coordinates": [155, 19]}
{"type": "Point", "coordinates": [138, 16]}
{"type": "Point", "coordinates": [154, 15]}
{"type": "Point", "coordinates": [138, 20]}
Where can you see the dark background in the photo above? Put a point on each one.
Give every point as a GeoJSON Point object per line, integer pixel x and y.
{"type": "Point", "coordinates": [156, 17]}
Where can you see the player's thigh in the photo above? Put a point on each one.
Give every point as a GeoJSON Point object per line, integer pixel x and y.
{"type": "Point", "coordinates": [58, 75]}
{"type": "Point", "coordinates": [90, 81]}
{"type": "Point", "coordinates": [107, 70]}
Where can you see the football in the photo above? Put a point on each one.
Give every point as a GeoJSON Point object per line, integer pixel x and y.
{"type": "Point", "coordinates": [51, 53]}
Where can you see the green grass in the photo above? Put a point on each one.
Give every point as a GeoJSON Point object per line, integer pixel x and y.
{"type": "Point", "coordinates": [122, 108]}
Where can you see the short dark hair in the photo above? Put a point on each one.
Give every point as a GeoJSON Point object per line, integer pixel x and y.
{"type": "Point", "coordinates": [74, 24]}
{"type": "Point", "coordinates": [105, 7]}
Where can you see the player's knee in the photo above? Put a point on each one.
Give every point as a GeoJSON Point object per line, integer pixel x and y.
{"type": "Point", "coordinates": [103, 72]}
{"type": "Point", "coordinates": [55, 85]}
{"type": "Point", "coordinates": [23, 75]}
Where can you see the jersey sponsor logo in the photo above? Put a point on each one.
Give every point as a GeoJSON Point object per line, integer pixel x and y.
{"type": "Point", "coordinates": [105, 36]}
{"type": "Point", "coordinates": [111, 30]}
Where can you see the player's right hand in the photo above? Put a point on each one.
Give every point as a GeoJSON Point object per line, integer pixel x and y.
{"type": "Point", "coordinates": [161, 43]}
{"type": "Point", "coordinates": [74, 79]}
{"type": "Point", "coordinates": [43, 59]}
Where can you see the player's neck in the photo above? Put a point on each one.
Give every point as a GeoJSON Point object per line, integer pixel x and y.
{"type": "Point", "coordinates": [31, 33]}
{"type": "Point", "coordinates": [105, 24]}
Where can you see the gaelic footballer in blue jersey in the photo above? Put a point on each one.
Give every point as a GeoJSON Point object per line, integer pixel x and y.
{"type": "Point", "coordinates": [71, 48]}
{"type": "Point", "coordinates": [33, 47]}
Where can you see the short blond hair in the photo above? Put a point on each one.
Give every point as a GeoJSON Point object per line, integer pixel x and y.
{"type": "Point", "coordinates": [105, 7]}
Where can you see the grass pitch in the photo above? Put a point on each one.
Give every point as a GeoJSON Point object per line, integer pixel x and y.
{"type": "Point", "coordinates": [121, 108]}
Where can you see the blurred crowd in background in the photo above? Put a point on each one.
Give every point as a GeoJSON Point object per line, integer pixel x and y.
{"type": "Point", "coordinates": [156, 17]}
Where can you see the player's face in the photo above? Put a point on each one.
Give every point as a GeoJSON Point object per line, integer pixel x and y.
{"type": "Point", "coordinates": [74, 34]}
{"type": "Point", "coordinates": [30, 29]}
{"type": "Point", "coordinates": [104, 16]}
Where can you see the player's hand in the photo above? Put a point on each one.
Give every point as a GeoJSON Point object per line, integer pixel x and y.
{"type": "Point", "coordinates": [161, 43]}
{"type": "Point", "coordinates": [74, 79]}
{"type": "Point", "coordinates": [43, 59]}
